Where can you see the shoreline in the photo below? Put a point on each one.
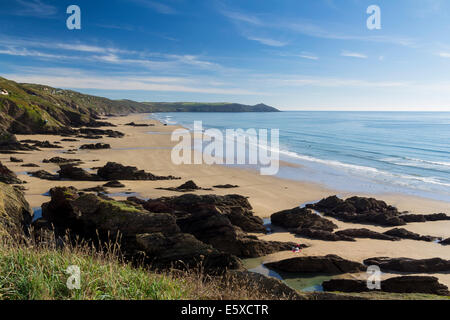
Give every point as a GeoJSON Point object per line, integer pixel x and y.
{"type": "Point", "coordinates": [267, 194]}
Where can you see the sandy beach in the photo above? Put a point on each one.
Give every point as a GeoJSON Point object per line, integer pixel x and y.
{"type": "Point", "coordinates": [267, 194]}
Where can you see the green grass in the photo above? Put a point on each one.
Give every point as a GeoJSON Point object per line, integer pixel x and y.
{"type": "Point", "coordinates": [39, 274]}
{"type": "Point", "coordinates": [32, 271]}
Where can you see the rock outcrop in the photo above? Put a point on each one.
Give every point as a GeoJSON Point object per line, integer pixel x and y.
{"type": "Point", "coordinates": [301, 218]}
{"type": "Point", "coordinates": [114, 184]}
{"type": "Point", "coordinates": [359, 210]}
{"type": "Point", "coordinates": [188, 186]}
{"type": "Point", "coordinates": [15, 212]}
{"type": "Point", "coordinates": [330, 264]}
{"type": "Point", "coordinates": [226, 186]}
{"type": "Point", "coordinates": [45, 175]}
{"type": "Point", "coordinates": [7, 176]}
{"type": "Point", "coordinates": [95, 146]}
{"type": "Point", "coordinates": [317, 234]}
{"type": "Point", "coordinates": [269, 286]}
{"type": "Point", "coordinates": [406, 234]}
{"type": "Point", "coordinates": [152, 237]}
{"type": "Point", "coordinates": [59, 160]}
{"type": "Point", "coordinates": [366, 234]}
{"type": "Point", "coordinates": [424, 217]}
{"type": "Point", "coordinates": [405, 284]}
{"type": "Point", "coordinates": [220, 221]}
{"type": "Point", "coordinates": [71, 172]}
{"type": "Point", "coordinates": [101, 132]}
{"type": "Point", "coordinates": [117, 171]}
{"type": "Point", "coordinates": [445, 242]}
{"type": "Point", "coordinates": [434, 265]}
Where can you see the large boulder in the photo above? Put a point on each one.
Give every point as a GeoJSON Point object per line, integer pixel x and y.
{"type": "Point", "coordinates": [366, 234]}
{"type": "Point", "coordinates": [405, 284]}
{"type": "Point", "coordinates": [301, 218]}
{"type": "Point", "coordinates": [330, 264]}
{"type": "Point", "coordinates": [116, 171]}
{"type": "Point", "coordinates": [152, 237]}
{"type": "Point", "coordinates": [360, 210]}
{"type": "Point", "coordinates": [7, 176]}
{"type": "Point", "coordinates": [15, 212]}
{"type": "Point", "coordinates": [433, 265]}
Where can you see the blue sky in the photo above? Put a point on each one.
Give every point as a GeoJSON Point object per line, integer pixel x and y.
{"type": "Point", "coordinates": [292, 54]}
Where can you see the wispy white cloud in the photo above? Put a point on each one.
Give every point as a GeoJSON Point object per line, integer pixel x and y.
{"type": "Point", "coordinates": [336, 82]}
{"type": "Point", "coordinates": [308, 56]}
{"type": "Point", "coordinates": [242, 17]}
{"type": "Point", "coordinates": [311, 29]}
{"type": "Point", "coordinates": [23, 52]}
{"type": "Point", "coordinates": [354, 55]}
{"type": "Point", "coordinates": [76, 79]}
{"type": "Point", "coordinates": [444, 54]}
{"type": "Point", "coordinates": [157, 6]}
{"type": "Point", "coordinates": [104, 54]}
{"type": "Point", "coordinates": [35, 8]}
{"type": "Point", "coordinates": [268, 41]}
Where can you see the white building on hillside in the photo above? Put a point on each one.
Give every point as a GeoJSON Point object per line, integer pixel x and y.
{"type": "Point", "coordinates": [4, 92]}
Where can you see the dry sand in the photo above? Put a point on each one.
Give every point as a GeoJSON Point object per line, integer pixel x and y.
{"type": "Point", "coordinates": [267, 194]}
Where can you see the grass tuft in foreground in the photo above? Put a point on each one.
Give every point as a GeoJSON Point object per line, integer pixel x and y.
{"type": "Point", "coordinates": [29, 271]}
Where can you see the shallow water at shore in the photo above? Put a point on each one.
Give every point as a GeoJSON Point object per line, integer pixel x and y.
{"type": "Point", "coordinates": [298, 281]}
{"type": "Point", "coordinates": [367, 152]}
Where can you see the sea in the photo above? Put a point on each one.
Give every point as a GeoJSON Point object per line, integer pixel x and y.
{"type": "Point", "coordinates": [367, 152]}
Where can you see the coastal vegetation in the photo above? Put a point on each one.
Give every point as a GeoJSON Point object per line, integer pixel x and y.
{"type": "Point", "coordinates": [34, 108]}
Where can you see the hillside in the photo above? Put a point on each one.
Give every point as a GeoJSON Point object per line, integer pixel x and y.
{"type": "Point", "coordinates": [207, 107]}
{"type": "Point", "coordinates": [33, 108]}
